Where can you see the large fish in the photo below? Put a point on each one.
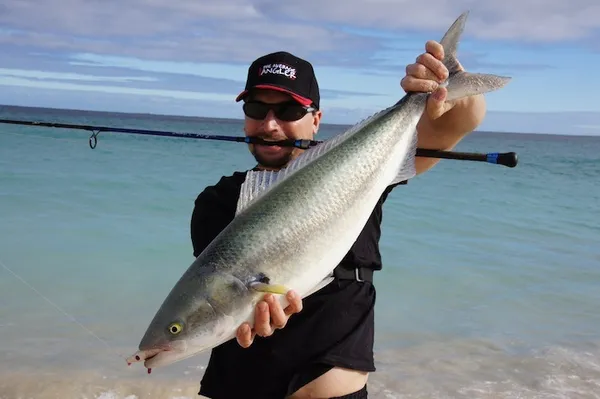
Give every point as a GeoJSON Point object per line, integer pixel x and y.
{"type": "Point", "coordinates": [292, 227]}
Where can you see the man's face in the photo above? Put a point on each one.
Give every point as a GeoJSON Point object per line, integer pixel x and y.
{"type": "Point", "coordinates": [273, 129]}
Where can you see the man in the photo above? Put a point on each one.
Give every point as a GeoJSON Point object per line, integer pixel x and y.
{"type": "Point", "coordinates": [326, 349]}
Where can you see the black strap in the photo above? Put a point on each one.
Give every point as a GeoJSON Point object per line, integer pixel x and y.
{"type": "Point", "coordinates": [360, 394]}
{"type": "Point", "coordinates": [358, 274]}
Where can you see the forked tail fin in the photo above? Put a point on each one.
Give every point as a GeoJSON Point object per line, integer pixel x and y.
{"type": "Point", "coordinates": [459, 83]}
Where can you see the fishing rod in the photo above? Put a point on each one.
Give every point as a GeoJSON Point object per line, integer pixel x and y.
{"type": "Point", "coordinates": [508, 159]}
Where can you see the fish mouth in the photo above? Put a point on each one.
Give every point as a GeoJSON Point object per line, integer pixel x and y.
{"type": "Point", "coordinates": [145, 355]}
{"type": "Point", "coordinates": [158, 356]}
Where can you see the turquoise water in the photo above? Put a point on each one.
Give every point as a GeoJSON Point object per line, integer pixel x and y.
{"type": "Point", "coordinates": [490, 287]}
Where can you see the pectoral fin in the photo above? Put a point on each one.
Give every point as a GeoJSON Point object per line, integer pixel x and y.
{"type": "Point", "coordinates": [270, 288]}
{"type": "Point", "coordinates": [262, 283]}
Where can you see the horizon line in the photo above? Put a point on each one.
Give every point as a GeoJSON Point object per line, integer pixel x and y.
{"type": "Point", "coordinates": [235, 119]}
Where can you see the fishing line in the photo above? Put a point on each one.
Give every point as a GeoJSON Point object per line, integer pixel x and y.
{"type": "Point", "coordinates": [508, 159]}
{"type": "Point", "coordinates": [60, 309]}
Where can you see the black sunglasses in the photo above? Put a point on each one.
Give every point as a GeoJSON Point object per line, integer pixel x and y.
{"type": "Point", "coordinates": [287, 111]}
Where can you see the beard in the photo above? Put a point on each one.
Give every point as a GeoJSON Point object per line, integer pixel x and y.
{"type": "Point", "coordinates": [279, 160]}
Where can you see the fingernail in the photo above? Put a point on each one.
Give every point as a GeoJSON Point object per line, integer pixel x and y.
{"type": "Point", "coordinates": [262, 307]}
{"type": "Point", "coordinates": [291, 295]}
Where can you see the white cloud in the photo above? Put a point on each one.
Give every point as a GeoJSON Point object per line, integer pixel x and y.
{"type": "Point", "coordinates": [229, 30]}
{"type": "Point", "coordinates": [237, 31]}
{"type": "Point", "coordinates": [535, 20]}
{"type": "Point", "coordinates": [37, 74]}
{"type": "Point", "coordinates": [177, 94]}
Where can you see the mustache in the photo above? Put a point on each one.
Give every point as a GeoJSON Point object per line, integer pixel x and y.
{"type": "Point", "coordinates": [269, 138]}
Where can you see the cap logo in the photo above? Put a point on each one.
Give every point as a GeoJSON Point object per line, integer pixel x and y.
{"type": "Point", "coordinates": [278, 69]}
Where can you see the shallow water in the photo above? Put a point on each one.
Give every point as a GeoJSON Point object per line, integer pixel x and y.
{"type": "Point", "coordinates": [489, 288]}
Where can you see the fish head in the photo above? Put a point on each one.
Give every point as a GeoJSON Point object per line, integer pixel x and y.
{"type": "Point", "coordinates": [194, 317]}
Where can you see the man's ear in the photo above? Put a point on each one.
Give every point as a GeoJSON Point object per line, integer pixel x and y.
{"type": "Point", "coordinates": [317, 120]}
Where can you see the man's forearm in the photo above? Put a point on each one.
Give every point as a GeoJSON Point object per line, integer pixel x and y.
{"type": "Point", "coordinates": [445, 132]}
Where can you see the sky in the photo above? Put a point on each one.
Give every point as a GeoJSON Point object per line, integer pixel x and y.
{"type": "Point", "coordinates": [190, 57]}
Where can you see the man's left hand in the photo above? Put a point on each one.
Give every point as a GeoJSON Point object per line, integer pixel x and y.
{"type": "Point", "coordinates": [425, 75]}
{"type": "Point", "coordinates": [269, 316]}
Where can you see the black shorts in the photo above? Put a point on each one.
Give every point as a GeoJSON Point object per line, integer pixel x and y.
{"type": "Point", "coordinates": [334, 329]}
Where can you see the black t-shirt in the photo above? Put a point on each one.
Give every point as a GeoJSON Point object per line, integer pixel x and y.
{"type": "Point", "coordinates": [334, 329]}
{"type": "Point", "coordinates": [215, 207]}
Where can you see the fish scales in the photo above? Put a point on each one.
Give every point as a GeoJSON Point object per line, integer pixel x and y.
{"type": "Point", "coordinates": [286, 231]}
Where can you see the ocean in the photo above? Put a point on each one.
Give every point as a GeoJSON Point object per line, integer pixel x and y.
{"type": "Point", "coordinates": [490, 286]}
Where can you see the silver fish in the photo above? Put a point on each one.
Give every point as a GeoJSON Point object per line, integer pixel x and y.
{"type": "Point", "coordinates": [292, 227]}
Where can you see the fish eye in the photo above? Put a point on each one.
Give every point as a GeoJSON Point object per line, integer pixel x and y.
{"type": "Point", "coordinates": [175, 328]}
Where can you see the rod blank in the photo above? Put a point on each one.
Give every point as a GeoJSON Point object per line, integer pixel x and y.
{"type": "Point", "coordinates": [508, 159]}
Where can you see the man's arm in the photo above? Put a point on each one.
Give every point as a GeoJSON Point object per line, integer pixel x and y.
{"type": "Point", "coordinates": [209, 217]}
{"type": "Point", "coordinates": [444, 124]}
{"type": "Point", "coordinates": [445, 132]}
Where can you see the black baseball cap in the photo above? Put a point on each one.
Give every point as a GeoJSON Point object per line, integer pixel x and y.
{"type": "Point", "coordinates": [284, 72]}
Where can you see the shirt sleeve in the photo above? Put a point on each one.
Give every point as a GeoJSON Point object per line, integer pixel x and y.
{"type": "Point", "coordinates": [210, 215]}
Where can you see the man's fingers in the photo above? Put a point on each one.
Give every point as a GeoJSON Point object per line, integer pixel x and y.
{"type": "Point", "coordinates": [436, 66]}
{"type": "Point", "coordinates": [295, 303]}
{"type": "Point", "coordinates": [245, 336]}
{"type": "Point", "coordinates": [435, 49]}
{"type": "Point", "coordinates": [410, 83]}
{"type": "Point", "coordinates": [262, 320]}
{"type": "Point", "coordinates": [420, 71]}
{"type": "Point", "coordinates": [278, 317]}
{"type": "Point", "coordinates": [268, 316]}
{"type": "Point", "coordinates": [436, 105]}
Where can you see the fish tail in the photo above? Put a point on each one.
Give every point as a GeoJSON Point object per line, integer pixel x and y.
{"type": "Point", "coordinates": [460, 83]}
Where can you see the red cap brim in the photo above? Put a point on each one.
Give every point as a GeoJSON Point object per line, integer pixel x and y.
{"type": "Point", "coordinates": [302, 100]}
